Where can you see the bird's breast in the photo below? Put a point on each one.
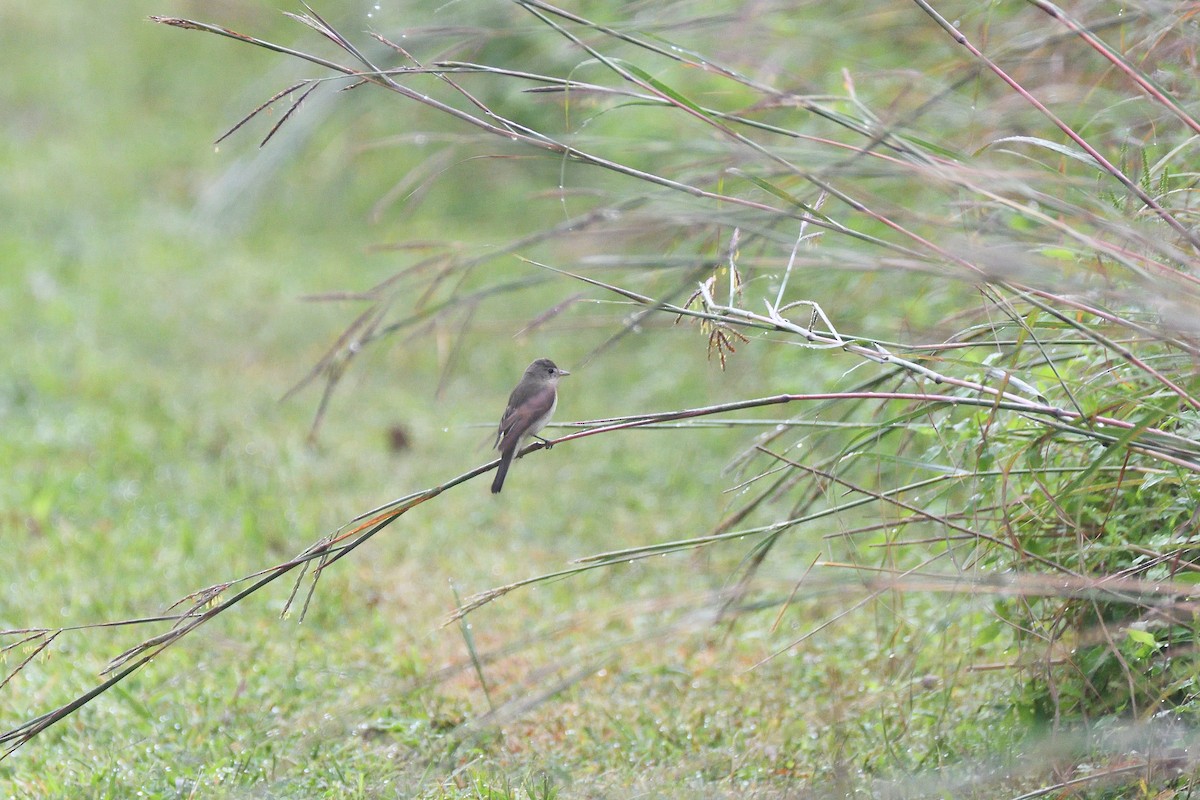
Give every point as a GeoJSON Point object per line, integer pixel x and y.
{"type": "Point", "coordinates": [541, 421]}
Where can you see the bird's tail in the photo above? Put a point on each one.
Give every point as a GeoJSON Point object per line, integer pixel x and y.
{"type": "Point", "coordinates": [506, 457]}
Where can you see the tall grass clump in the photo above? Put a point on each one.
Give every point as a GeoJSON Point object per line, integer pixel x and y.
{"type": "Point", "coordinates": [948, 249]}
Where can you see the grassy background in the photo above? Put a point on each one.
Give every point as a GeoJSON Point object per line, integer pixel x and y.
{"type": "Point", "coordinates": [153, 301]}
{"type": "Point", "coordinates": [154, 320]}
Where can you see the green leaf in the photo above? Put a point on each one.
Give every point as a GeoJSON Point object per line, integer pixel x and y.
{"type": "Point", "coordinates": [662, 88]}
{"type": "Point", "coordinates": [1141, 637]}
{"type": "Point", "coordinates": [782, 194]}
{"type": "Point", "coordinates": [988, 633]}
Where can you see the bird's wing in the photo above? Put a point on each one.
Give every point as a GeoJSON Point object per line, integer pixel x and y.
{"type": "Point", "coordinates": [521, 414]}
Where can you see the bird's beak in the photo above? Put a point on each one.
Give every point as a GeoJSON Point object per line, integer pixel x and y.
{"type": "Point", "coordinates": [562, 372]}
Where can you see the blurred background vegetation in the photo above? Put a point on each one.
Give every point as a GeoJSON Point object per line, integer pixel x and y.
{"type": "Point", "coordinates": [984, 594]}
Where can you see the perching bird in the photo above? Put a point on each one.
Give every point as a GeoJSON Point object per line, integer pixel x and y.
{"type": "Point", "coordinates": [530, 407]}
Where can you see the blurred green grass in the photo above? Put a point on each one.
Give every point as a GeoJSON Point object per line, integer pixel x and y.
{"type": "Point", "coordinates": [152, 306]}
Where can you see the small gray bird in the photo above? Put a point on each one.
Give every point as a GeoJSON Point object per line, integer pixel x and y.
{"type": "Point", "coordinates": [530, 407]}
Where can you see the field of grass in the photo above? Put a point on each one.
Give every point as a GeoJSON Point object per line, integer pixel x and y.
{"type": "Point", "coordinates": [158, 298]}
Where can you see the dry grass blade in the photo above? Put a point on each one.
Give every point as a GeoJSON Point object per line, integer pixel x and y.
{"type": "Point", "coordinates": [1111, 169]}
{"type": "Point", "coordinates": [288, 114]}
{"type": "Point", "coordinates": [40, 641]}
{"type": "Point", "coordinates": [282, 93]}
